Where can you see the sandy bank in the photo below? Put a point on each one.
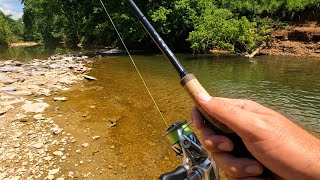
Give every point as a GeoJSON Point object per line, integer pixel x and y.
{"type": "Point", "coordinates": [23, 44]}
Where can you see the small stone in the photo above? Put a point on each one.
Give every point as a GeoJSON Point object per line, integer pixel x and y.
{"type": "Point", "coordinates": [60, 98]}
{"type": "Point", "coordinates": [38, 145]}
{"type": "Point", "coordinates": [58, 153]}
{"type": "Point", "coordinates": [38, 117]}
{"type": "Point", "coordinates": [50, 177]}
{"type": "Point", "coordinates": [71, 174]}
{"type": "Point", "coordinates": [85, 145]}
{"type": "Point", "coordinates": [54, 171]}
{"type": "Point", "coordinates": [16, 145]}
{"type": "Point", "coordinates": [56, 130]}
{"type": "Point", "coordinates": [122, 165]}
{"type": "Point", "coordinates": [48, 158]}
{"type": "Point", "coordinates": [15, 178]}
{"type": "Point", "coordinates": [95, 137]}
{"type": "Point", "coordinates": [90, 78]}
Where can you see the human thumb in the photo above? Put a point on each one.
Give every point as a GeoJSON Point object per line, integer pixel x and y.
{"type": "Point", "coordinates": [233, 117]}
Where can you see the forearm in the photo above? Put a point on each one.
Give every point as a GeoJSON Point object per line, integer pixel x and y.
{"type": "Point", "coordinates": [297, 157]}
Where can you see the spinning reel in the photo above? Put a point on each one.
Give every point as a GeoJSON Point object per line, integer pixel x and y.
{"type": "Point", "coordinates": [194, 160]}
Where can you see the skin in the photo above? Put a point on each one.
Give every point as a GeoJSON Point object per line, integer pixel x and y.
{"type": "Point", "coordinates": [276, 142]}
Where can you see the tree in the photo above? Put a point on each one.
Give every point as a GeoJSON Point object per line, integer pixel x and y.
{"type": "Point", "coordinates": [6, 35]}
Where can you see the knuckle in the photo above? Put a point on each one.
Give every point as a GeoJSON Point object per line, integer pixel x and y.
{"type": "Point", "coordinates": [234, 171]}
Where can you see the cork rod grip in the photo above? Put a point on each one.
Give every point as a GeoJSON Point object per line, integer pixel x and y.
{"type": "Point", "coordinates": [194, 88]}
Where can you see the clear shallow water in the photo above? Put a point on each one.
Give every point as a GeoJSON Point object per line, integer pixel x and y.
{"type": "Point", "coordinates": [286, 84]}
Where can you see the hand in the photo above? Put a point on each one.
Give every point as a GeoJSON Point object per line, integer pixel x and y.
{"type": "Point", "coordinates": [275, 141]}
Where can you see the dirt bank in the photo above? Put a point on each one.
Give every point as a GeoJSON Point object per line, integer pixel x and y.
{"type": "Point", "coordinates": [296, 40]}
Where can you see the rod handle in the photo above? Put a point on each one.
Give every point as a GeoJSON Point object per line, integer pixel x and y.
{"type": "Point", "coordinates": [194, 88]}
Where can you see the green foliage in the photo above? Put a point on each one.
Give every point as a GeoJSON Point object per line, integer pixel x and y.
{"type": "Point", "coordinates": [10, 30]}
{"type": "Point", "coordinates": [238, 25]}
{"type": "Point", "coordinates": [5, 32]}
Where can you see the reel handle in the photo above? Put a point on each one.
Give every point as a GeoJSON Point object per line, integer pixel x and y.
{"type": "Point", "coordinates": [180, 173]}
{"type": "Point", "coordinates": [193, 87]}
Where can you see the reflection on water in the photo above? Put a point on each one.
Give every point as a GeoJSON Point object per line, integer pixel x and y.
{"type": "Point", "coordinates": [28, 53]}
{"type": "Point", "coordinates": [289, 85]}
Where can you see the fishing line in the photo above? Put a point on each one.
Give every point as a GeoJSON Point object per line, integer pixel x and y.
{"type": "Point", "coordinates": [134, 64]}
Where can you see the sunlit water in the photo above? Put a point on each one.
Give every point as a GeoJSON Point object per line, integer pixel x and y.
{"type": "Point", "coordinates": [288, 85]}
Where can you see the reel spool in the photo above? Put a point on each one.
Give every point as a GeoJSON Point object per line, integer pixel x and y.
{"type": "Point", "coordinates": [194, 160]}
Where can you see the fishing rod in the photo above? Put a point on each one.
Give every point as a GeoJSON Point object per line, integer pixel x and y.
{"type": "Point", "coordinates": [193, 88]}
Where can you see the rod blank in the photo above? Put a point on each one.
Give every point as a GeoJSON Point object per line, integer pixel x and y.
{"type": "Point", "coordinates": [158, 40]}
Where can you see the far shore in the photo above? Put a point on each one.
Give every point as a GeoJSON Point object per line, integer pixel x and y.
{"type": "Point", "coordinates": [24, 44]}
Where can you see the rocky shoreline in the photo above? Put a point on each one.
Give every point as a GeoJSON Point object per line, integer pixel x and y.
{"type": "Point", "coordinates": [32, 145]}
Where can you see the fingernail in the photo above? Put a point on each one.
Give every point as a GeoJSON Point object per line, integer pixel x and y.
{"type": "Point", "coordinates": [224, 146]}
{"type": "Point", "coordinates": [253, 169]}
{"type": "Point", "coordinates": [204, 97]}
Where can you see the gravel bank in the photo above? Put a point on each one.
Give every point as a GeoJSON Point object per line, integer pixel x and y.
{"type": "Point", "coordinates": [32, 146]}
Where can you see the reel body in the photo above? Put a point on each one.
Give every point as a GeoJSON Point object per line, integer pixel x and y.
{"type": "Point", "coordinates": [194, 160]}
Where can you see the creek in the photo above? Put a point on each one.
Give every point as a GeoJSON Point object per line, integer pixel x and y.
{"type": "Point", "coordinates": [117, 108]}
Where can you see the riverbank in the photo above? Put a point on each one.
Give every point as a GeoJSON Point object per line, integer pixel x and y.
{"type": "Point", "coordinates": [302, 40]}
{"type": "Point", "coordinates": [32, 145]}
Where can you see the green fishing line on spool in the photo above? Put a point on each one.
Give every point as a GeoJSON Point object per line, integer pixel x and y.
{"type": "Point", "coordinates": [172, 131]}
